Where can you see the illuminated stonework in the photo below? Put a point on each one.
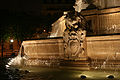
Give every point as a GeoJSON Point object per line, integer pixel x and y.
{"type": "Point", "coordinates": [106, 3]}
{"type": "Point", "coordinates": [74, 39]}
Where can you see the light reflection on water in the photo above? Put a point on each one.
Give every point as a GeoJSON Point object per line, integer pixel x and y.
{"type": "Point", "coordinates": [47, 73]}
{"type": "Point", "coordinates": [40, 73]}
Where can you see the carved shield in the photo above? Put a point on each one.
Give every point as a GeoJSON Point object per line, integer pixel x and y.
{"type": "Point", "coordinates": [74, 47]}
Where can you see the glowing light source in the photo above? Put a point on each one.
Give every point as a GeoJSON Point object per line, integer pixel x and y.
{"type": "Point", "coordinates": [11, 40]}
{"type": "Point", "coordinates": [44, 30]}
{"type": "Point", "coordinates": [83, 77]}
{"type": "Point", "coordinates": [110, 76]}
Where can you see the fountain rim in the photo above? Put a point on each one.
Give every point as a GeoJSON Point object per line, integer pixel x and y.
{"type": "Point", "coordinates": [44, 40]}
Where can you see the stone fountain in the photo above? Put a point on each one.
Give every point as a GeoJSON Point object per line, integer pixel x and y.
{"type": "Point", "coordinates": [73, 50]}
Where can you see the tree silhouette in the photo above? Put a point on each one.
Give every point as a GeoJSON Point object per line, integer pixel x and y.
{"type": "Point", "coordinates": [17, 32]}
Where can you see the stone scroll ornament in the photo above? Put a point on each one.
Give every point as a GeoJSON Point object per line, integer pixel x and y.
{"type": "Point", "coordinates": [74, 34]}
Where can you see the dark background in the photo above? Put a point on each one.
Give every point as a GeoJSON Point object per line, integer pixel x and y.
{"type": "Point", "coordinates": [33, 11]}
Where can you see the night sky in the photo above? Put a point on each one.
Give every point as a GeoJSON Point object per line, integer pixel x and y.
{"type": "Point", "coordinates": [26, 12]}
{"type": "Point", "coordinates": [20, 11]}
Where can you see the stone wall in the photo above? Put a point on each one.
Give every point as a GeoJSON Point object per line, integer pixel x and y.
{"type": "Point", "coordinates": [104, 21]}
{"type": "Point", "coordinates": [107, 3]}
{"type": "Point", "coordinates": [43, 49]}
{"type": "Point", "coordinates": [98, 47]}
{"type": "Point", "coordinates": [101, 21]}
{"type": "Point", "coordinates": [104, 47]}
{"type": "Point", "coordinates": [10, 48]}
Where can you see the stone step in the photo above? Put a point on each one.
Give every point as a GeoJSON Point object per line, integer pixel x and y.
{"type": "Point", "coordinates": [72, 63]}
{"type": "Point", "coordinates": [68, 63]}
{"type": "Point", "coordinates": [106, 63]}
{"type": "Point", "coordinates": [75, 68]}
{"type": "Point", "coordinates": [105, 68]}
{"type": "Point", "coordinates": [75, 64]}
{"type": "Point", "coordinates": [105, 60]}
{"type": "Point", "coordinates": [77, 59]}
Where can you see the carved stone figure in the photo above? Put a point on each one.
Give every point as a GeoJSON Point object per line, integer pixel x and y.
{"type": "Point", "coordinates": [74, 37]}
{"type": "Point", "coordinates": [74, 34]}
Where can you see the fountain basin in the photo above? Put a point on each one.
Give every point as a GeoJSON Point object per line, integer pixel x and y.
{"type": "Point", "coordinates": [98, 47]}
{"type": "Point", "coordinates": [44, 49]}
{"type": "Point", "coordinates": [43, 52]}
{"type": "Point", "coordinates": [104, 47]}
{"type": "Point", "coordinates": [65, 74]}
{"type": "Point", "coordinates": [100, 50]}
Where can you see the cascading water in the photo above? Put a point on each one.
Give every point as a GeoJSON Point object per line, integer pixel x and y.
{"type": "Point", "coordinates": [44, 52]}
{"type": "Point", "coordinates": [110, 63]}
{"type": "Point", "coordinates": [58, 28]}
{"type": "Point", "coordinates": [34, 53]}
{"type": "Point", "coordinates": [18, 60]}
{"type": "Point", "coordinates": [32, 50]}
{"type": "Point", "coordinates": [48, 52]}
{"type": "Point", "coordinates": [54, 34]}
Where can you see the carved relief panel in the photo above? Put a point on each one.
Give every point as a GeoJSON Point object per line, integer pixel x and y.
{"type": "Point", "coordinates": [74, 39]}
